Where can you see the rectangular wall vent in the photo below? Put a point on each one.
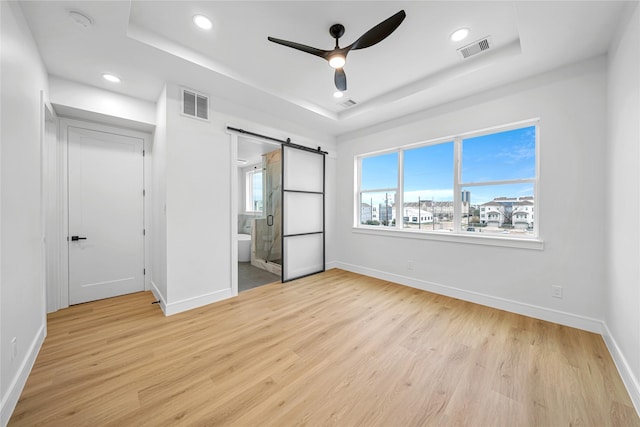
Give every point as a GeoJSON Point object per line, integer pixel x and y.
{"type": "Point", "coordinates": [195, 104]}
{"type": "Point", "coordinates": [348, 103]}
{"type": "Point", "coordinates": [476, 47]}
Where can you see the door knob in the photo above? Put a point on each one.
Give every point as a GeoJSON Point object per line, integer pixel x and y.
{"type": "Point", "coordinates": [74, 238]}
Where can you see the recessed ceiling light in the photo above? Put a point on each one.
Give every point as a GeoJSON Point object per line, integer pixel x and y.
{"type": "Point", "coordinates": [111, 78]}
{"type": "Point", "coordinates": [242, 161]}
{"type": "Point", "coordinates": [460, 34]}
{"type": "Point", "coordinates": [202, 22]}
{"type": "Point", "coordinates": [338, 94]}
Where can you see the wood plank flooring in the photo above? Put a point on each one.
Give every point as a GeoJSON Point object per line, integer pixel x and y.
{"type": "Point", "coordinates": [336, 348]}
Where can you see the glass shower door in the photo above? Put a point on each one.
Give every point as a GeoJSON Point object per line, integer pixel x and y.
{"type": "Point", "coordinates": [273, 211]}
{"type": "Point", "coordinates": [267, 229]}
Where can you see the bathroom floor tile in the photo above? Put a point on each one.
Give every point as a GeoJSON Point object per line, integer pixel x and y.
{"type": "Point", "coordinates": [250, 277]}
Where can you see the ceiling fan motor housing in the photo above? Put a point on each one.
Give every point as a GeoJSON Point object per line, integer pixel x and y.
{"type": "Point", "coordinates": [336, 31]}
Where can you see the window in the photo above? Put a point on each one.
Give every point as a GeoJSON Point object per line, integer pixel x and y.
{"type": "Point", "coordinates": [481, 183]}
{"type": "Point", "coordinates": [499, 172]}
{"type": "Point", "coordinates": [379, 185]}
{"type": "Point", "coordinates": [428, 187]}
{"type": "Point", "coordinates": [253, 181]}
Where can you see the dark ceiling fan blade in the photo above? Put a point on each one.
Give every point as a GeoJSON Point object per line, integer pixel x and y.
{"type": "Point", "coordinates": [312, 50]}
{"type": "Point", "coordinates": [340, 79]}
{"type": "Point", "coordinates": [337, 56]}
{"type": "Point", "coordinates": [379, 32]}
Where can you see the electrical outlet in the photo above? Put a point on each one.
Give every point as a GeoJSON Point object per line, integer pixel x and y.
{"type": "Point", "coordinates": [556, 291]}
{"type": "Point", "coordinates": [410, 264]}
{"type": "Point", "coordinates": [14, 348]}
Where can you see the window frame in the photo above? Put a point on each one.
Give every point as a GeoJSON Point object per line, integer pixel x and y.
{"type": "Point", "coordinates": [457, 234]}
{"type": "Point", "coordinates": [359, 191]}
{"type": "Point", "coordinates": [248, 202]}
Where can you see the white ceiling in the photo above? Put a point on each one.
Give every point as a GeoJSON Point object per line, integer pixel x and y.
{"type": "Point", "coordinates": [149, 42]}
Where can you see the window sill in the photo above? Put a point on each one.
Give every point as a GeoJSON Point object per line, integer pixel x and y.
{"type": "Point", "coordinates": [470, 239]}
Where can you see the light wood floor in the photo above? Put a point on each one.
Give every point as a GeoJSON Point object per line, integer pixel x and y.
{"type": "Point", "coordinates": [331, 349]}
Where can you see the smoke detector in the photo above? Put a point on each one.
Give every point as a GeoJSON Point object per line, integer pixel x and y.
{"type": "Point", "coordinates": [80, 19]}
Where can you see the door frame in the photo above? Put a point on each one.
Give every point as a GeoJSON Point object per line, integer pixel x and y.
{"type": "Point", "coordinates": [233, 202]}
{"type": "Point", "coordinates": [63, 170]}
{"type": "Point", "coordinates": [50, 197]}
{"type": "Point", "coordinates": [234, 133]}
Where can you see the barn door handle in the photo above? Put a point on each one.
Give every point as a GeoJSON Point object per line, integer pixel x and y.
{"type": "Point", "coordinates": [269, 220]}
{"type": "Point", "coordinates": [74, 238]}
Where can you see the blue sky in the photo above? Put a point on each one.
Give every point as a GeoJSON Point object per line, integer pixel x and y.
{"type": "Point", "coordinates": [500, 156]}
{"type": "Point", "coordinates": [428, 170]}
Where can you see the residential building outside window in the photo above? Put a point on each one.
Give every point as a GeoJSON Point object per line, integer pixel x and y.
{"type": "Point", "coordinates": [428, 186]}
{"type": "Point", "coordinates": [480, 183]}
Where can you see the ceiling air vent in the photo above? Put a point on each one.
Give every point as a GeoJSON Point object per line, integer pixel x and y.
{"type": "Point", "coordinates": [348, 103]}
{"type": "Point", "coordinates": [476, 47]}
{"type": "Point", "coordinates": [195, 104]}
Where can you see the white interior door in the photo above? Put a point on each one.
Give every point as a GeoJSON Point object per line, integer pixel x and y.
{"type": "Point", "coordinates": [303, 250]}
{"type": "Point", "coordinates": [106, 211]}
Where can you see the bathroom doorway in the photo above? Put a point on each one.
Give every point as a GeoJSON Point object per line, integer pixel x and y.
{"type": "Point", "coordinates": [259, 213]}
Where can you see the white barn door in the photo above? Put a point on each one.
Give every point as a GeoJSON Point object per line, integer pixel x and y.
{"type": "Point", "coordinates": [303, 243]}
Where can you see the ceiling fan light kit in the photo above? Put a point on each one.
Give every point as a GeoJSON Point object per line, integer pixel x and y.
{"type": "Point", "coordinates": [338, 56]}
{"type": "Point", "coordinates": [337, 61]}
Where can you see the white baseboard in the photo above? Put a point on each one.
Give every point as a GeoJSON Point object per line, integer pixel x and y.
{"type": "Point", "coordinates": [629, 380]}
{"type": "Point", "coordinates": [331, 264]}
{"type": "Point", "coordinates": [195, 302]}
{"type": "Point", "coordinates": [190, 303]}
{"type": "Point", "coordinates": [10, 400]}
{"type": "Point", "coordinates": [543, 313]}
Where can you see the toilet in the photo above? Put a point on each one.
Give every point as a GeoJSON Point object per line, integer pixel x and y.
{"type": "Point", "coordinates": [244, 247]}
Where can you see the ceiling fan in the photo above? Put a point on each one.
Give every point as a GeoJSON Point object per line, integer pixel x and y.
{"type": "Point", "coordinates": [338, 56]}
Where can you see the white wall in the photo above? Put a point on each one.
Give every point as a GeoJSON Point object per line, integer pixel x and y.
{"type": "Point", "coordinates": [622, 191]}
{"type": "Point", "coordinates": [198, 214]}
{"type": "Point", "coordinates": [22, 294]}
{"type": "Point", "coordinates": [198, 174]}
{"type": "Point", "coordinates": [84, 102]}
{"type": "Point", "coordinates": [571, 105]}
